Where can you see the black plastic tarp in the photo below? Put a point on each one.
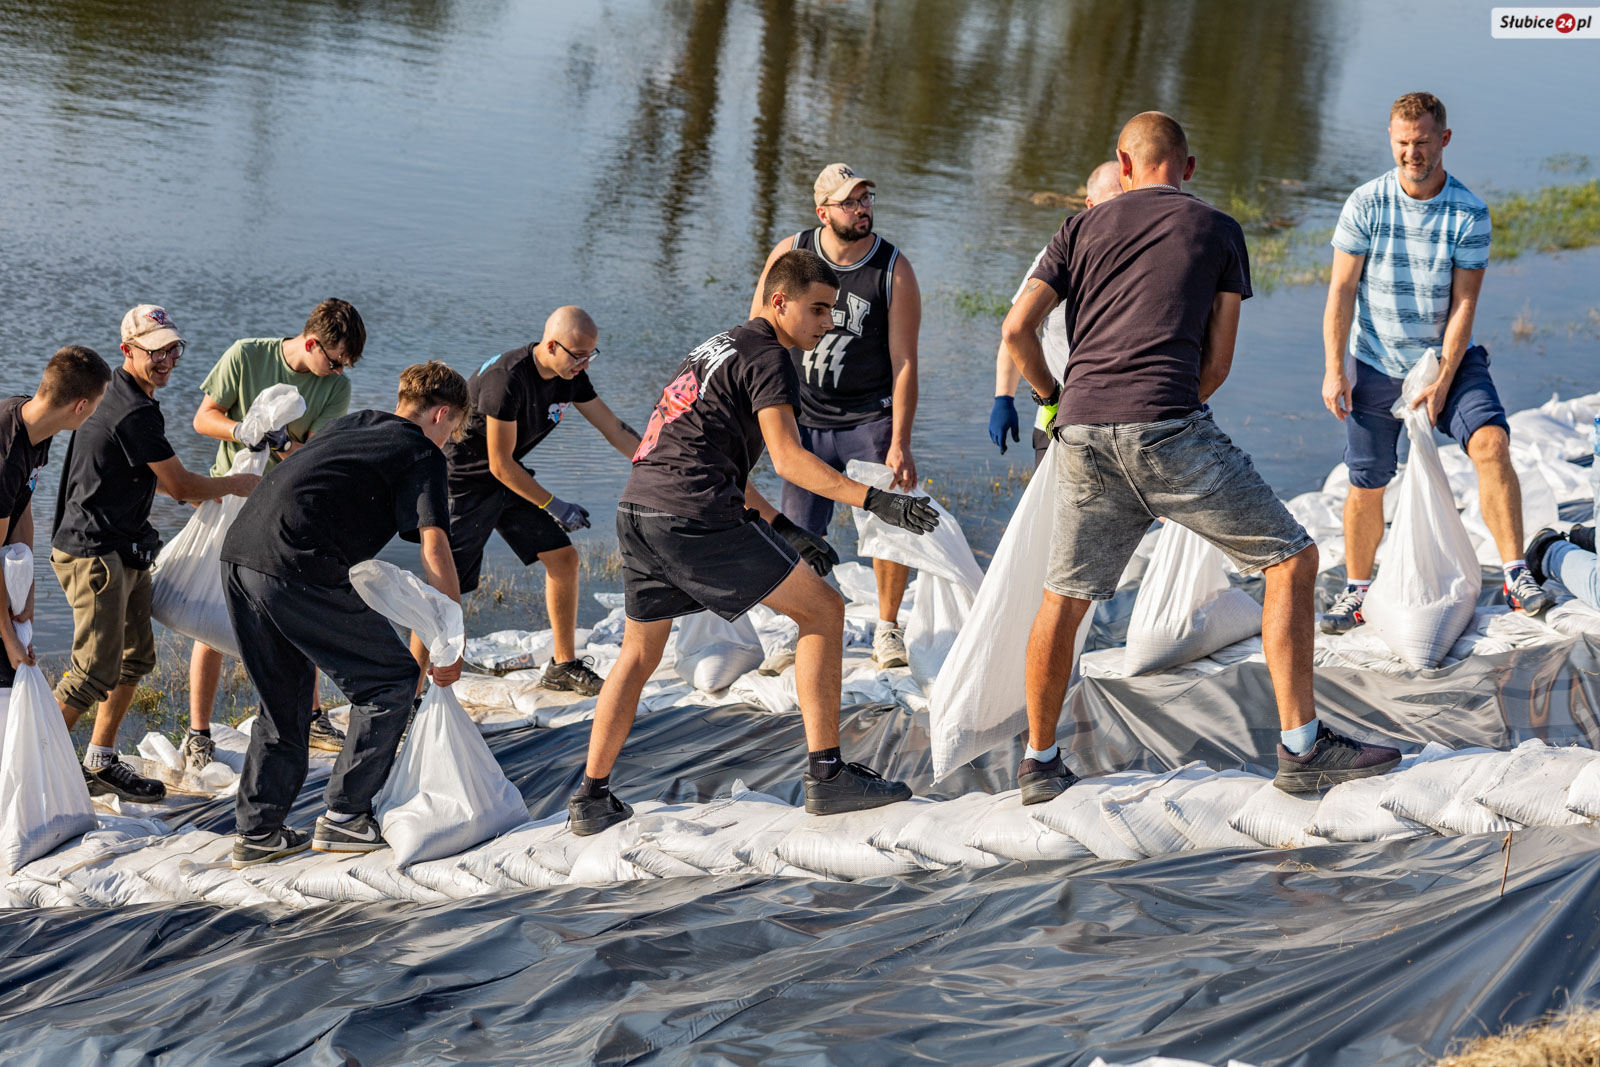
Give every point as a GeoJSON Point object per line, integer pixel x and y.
{"type": "Point", "coordinates": [1347, 954]}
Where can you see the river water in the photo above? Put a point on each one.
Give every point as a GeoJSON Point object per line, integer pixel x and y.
{"type": "Point", "coordinates": [457, 168]}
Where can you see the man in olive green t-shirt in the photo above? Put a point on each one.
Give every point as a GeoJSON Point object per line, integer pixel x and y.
{"type": "Point", "coordinates": [314, 363]}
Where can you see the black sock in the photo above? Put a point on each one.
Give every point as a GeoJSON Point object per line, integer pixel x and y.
{"type": "Point", "coordinates": [203, 733]}
{"type": "Point", "coordinates": [595, 787]}
{"type": "Point", "coordinates": [825, 763]}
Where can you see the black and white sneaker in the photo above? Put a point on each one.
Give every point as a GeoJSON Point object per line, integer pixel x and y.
{"type": "Point", "coordinates": [856, 787]}
{"type": "Point", "coordinates": [120, 780]}
{"type": "Point", "coordinates": [1042, 782]}
{"type": "Point", "coordinates": [573, 676]}
{"type": "Point", "coordinates": [1344, 614]}
{"type": "Point", "coordinates": [198, 752]}
{"type": "Point", "coordinates": [590, 815]}
{"type": "Point", "coordinates": [249, 851]}
{"type": "Point", "coordinates": [359, 834]}
{"type": "Point", "coordinates": [1523, 594]}
{"type": "Point", "coordinates": [1333, 758]}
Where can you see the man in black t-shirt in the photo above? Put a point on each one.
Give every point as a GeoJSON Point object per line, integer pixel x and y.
{"type": "Point", "coordinates": [102, 542]}
{"type": "Point", "coordinates": [286, 560]}
{"type": "Point", "coordinates": [1152, 284]}
{"type": "Point", "coordinates": [518, 398]}
{"type": "Point", "coordinates": [695, 535]}
{"type": "Point", "coordinates": [73, 383]}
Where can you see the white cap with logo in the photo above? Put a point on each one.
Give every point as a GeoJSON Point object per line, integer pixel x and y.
{"type": "Point", "coordinates": [150, 326]}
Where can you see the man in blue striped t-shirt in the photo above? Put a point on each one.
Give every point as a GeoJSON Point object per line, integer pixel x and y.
{"type": "Point", "coordinates": [1408, 260]}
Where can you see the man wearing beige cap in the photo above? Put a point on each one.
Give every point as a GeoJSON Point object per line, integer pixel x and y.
{"type": "Point", "coordinates": [858, 386]}
{"type": "Point", "coordinates": [102, 543]}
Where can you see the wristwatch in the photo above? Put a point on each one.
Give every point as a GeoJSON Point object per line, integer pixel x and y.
{"type": "Point", "coordinates": [1046, 401]}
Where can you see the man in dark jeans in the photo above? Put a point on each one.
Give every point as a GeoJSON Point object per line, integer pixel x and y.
{"type": "Point", "coordinates": [286, 575]}
{"type": "Point", "coordinates": [1152, 284]}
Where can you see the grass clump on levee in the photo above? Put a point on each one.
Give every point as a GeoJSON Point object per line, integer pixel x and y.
{"type": "Point", "coordinates": [1569, 1040]}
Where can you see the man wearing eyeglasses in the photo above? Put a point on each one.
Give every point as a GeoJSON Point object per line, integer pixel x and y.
{"type": "Point", "coordinates": [518, 398]}
{"type": "Point", "coordinates": [858, 386]}
{"type": "Point", "coordinates": [102, 542]}
{"type": "Point", "coordinates": [314, 363]}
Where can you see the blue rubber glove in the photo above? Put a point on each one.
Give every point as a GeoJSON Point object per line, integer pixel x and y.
{"type": "Point", "coordinates": [1003, 417]}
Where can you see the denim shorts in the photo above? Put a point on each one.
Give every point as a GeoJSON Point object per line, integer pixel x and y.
{"type": "Point", "coordinates": [1372, 434]}
{"type": "Point", "coordinates": [1114, 480]}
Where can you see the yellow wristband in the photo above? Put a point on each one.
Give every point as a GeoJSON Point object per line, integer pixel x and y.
{"type": "Point", "coordinates": [547, 502]}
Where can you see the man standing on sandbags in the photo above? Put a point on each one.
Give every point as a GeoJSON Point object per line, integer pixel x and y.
{"type": "Point", "coordinates": [696, 535]}
{"type": "Point", "coordinates": [314, 363]}
{"type": "Point", "coordinates": [286, 575]}
{"type": "Point", "coordinates": [1101, 186]}
{"type": "Point", "coordinates": [73, 383]}
{"type": "Point", "coordinates": [1152, 284]}
{"type": "Point", "coordinates": [858, 385]}
{"type": "Point", "coordinates": [1409, 254]}
{"type": "Point", "coordinates": [518, 398]}
{"type": "Point", "coordinates": [102, 543]}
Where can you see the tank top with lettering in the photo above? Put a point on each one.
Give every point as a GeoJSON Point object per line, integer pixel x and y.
{"type": "Point", "coordinates": [847, 379]}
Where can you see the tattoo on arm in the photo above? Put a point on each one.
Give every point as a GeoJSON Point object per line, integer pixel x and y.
{"type": "Point", "coordinates": [629, 429]}
{"type": "Point", "coordinates": [1033, 286]}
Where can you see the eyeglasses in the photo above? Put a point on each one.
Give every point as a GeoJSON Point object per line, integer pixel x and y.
{"type": "Point", "coordinates": [168, 354]}
{"type": "Point", "coordinates": [855, 203]}
{"type": "Point", "coordinates": [327, 354]}
{"type": "Point", "coordinates": [581, 357]}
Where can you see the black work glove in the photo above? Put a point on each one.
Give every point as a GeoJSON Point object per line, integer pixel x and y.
{"type": "Point", "coordinates": [568, 516]}
{"type": "Point", "coordinates": [898, 509]}
{"type": "Point", "coordinates": [813, 549]}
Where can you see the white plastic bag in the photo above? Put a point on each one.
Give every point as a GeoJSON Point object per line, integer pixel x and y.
{"type": "Point", "coordinates": [1186, 606]}
{"type": "Point", "coordinates": [977, 701]}
{"type": "Point", "coordinates": [445, 793]}
{"type": "Point", "coordinates": [186, 583]}
{"type": "Point", "coordinates": [17, 563]}
{"type": "Point", "coordinates": [1428, 581]}
{"type": "Point", "coordinates": [713, 652]}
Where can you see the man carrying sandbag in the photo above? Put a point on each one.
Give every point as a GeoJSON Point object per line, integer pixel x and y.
{"type": "Point", "coordinates": [313, 363]}
{"type": "Point", "coordinates": [518, 398]}
{"type": "Point", "coordinates": [286, 575]}
{"type": "Point", "coordinates": [73, 383]}
{"type": "Point", "coordinates": [102, 542]}
{"type": "Point", "coordinates": [695, 535]}
{"type": "Point", "coordinates": [1152, 283]}
{"type": "Point", "coordinates": [1409, 254]}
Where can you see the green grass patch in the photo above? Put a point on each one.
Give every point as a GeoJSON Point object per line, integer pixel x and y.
{"type": "Point", "coordinates": [985, 304]}
{"type": "Point", "coordinates": [1554, 218]}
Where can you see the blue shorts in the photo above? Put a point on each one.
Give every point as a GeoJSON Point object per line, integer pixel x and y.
{"type": "Point", "coordinates": [1372, 434]}
{"type": "Point", "coordinates": [868, 442]}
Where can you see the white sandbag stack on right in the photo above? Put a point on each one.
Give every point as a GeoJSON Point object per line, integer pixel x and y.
{"type": "Point", "coordinates": [1186, 607]}
{"type": "Point", "coordinates": [1428, 581]}
{"type": "Point", "coordinates": [712, 652]}
{"type": "Point", "coordinates": [446, 792]}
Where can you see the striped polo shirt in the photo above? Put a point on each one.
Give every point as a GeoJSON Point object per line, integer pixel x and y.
{"type": "Point", "coordinates": [1411, 246]}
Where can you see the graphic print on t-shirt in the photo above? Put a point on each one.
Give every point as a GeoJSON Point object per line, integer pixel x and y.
{"type": "Point", "coordinates": [827, 359]}
{"type": "Point", "coordinates": [681, 393]}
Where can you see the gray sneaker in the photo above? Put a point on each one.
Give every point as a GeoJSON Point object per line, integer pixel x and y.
{"type": "Point", "coordinates": [1524, 594]}
{"type": "Point", "coordinates": [198, 752]}
{"type": "Point", "coordinates": [359, 834]}
{"type": "Point", "coordinates": [889, 646]}
{"type": "Point", "coordinates": [249, 851]}
{"type": "Point", "coordinates": [573, 676]}
{"type": "Point", "coordinates": [1043, 782]}
{"type": "Point", "coordinates": [1334, 758]}
{"type": "Point", "coordinates": [324, 734]}
{"type": "Point", "coordinates": [1344, 614]}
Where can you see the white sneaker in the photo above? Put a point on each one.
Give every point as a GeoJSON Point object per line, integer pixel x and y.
{"type": "Point", "coordinates": [779, 661]}
{"type": "Point", "coordinates": [889, 646]}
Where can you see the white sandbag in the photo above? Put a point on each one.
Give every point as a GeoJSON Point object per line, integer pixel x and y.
{"type": "Point", "coordinates": [1200, 810]}
{"type": "Point", "coordinates": [1428, 581]}
{"type": "Point", "coordinates": [445, 792]}
{"type": "Point", "coordinates": [1137, 814]}
{"type": "Point", "coordinates": [16, 565]}
{"type": "Point", "coordinates": [46, 801]}
{"type": "Point", "coordinates": [1008, 829]}
{"type": "Point", "coordinates": [719, 829]}
{"type": "Point", "coordinates": [1186, 606]}
{"type": "Point", "coordinates": [1353, 811]}
{"type": "Point", "coordinates": [380, 872]}
{"type": "Point", "coordinates": [1427, 793]}
{"type": "Point", "coordinates": [836, 846]}
{"type": "Point", "coordinates": [1531, 787]}
{"type": "Point", "coordinates": [977, 701]}
{"type": "Point", "coordinates": [1277, 819]}
{"type": "Point", "coordinates": [1583, 795]}
{"type": "Point", "coordinates": [1077, 814]}
{"type": "Point", "coordinates": [713, 652]}
{"type": "Point", "coordinates": [936, 835]}
{"type": "Point", "coordinates": [186, 582]}
{"type": "Point", "coordinates": [938, 611]}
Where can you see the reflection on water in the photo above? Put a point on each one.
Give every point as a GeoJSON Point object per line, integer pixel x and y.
{"type": "Point", "coordinates": [458, 167]}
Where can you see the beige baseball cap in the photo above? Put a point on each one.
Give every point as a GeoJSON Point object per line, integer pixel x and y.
{"type": "Point", "coordinates": [835, 183]}
{"type": "Point", "coordinates": [150, 326]}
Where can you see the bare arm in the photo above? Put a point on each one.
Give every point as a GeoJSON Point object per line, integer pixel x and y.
{"type": "Point", "coordinates": [1019, 334]}
{"type": "Point", "coordinates": [794, 464]}
{"type": "Point", "coordinates": [755, 300]}
{"type": "Point", "coordinates": [1222, 330]}
{"type": "Point", "coordinates": [1336, 320]}
{"type": "Point", "coordinates": [1006, 374]}
{"type": "Point", "coordinates": [212, 420]}
{"type": "Point", "coordinates": [614, 430]}
{"type": "Point", "coordinates": [754, 499]}
{"type": "Point", "coordinates": [502, 438]}
{"type": "Point", "coordinates": [439, 570]}
{"type": "Point", "coordinates": [173, 479]}
{"type": "Point", "coordinates": [905, 320]}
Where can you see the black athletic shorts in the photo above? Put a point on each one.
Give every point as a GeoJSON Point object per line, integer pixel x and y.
{"type": "Point", "coordinates": [673, 566]}
{"type": "Point", "coordinates": [529, 530]}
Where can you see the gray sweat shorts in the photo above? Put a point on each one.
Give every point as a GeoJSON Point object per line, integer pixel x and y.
{"type": "Point", "coordinates": [1114, 480]}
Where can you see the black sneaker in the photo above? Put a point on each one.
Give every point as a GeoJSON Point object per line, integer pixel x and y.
{"type": "Point", "coordinates": [1582, 536]}
{"type": "Point", "coordinates": [590, 815]}
{"type": "Point", "coordinates": [1523, 594]}
{"type": "Point", "coordinates": [248, 851]}
{"type": "Point", "coordinates": [120, 780]}
{"type": "Point", "coordinates": [359, 834]}
{"type": "Point", "coordinates": [1333, 758]}
{"type": "Point", "coordinates": [1344, 614]}
{"type": "Point", "coordinates": [1535, 553]}
{"type": "Point", "coordinates": [1043, 782]}
{"type": "Point", "coordinates": [573, 676]}
{"type": "Point", "coordinates": [324, 734]}
{"type": "Point", "coordinates": [856, 787]}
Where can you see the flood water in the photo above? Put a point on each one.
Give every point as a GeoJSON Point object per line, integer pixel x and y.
{"type": "Point", "coordinates": [457, 168]}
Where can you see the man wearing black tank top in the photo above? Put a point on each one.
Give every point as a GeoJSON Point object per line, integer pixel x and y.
{"type": "Point", "coordinates": [858, 385]}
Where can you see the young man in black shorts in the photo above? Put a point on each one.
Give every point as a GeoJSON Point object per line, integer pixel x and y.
{"type": "Point", "coordinates": [518, 398]}
{"type": "Point", "coordinates": [695, 535]}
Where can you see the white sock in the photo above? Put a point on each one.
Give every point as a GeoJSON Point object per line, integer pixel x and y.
{"type": "Point", "coordinates": [1359, 585]}
{"type": "Point", "coordinates": [338, 816]}
{"type": "Point", "coordinates": [888, 624]}
{"type": "Point", "coordinates": [1300, 739]}
{"type": "Point", "coordinates": [1512, 567]}
{"type": "Point", "coordinates": [97, 756]}
{"type": "Point", "coordinates": [1043, 755]}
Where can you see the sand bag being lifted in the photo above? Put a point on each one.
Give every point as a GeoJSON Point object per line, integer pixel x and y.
{"type": "Point", "coordinates": [186, 583]}
{"type": "Point", "coordinates": [446, 792]}
{"type": "Point", "coordinates": [1186, 606]}
{"type": "Point", "coordinates": [45, 799]}
{"type": "Point", "coordinates": [1427, 583]}
{"type": "Point", "coordinates": [977, 701]}
{"type": "Point", "coordinates": [712, 652]}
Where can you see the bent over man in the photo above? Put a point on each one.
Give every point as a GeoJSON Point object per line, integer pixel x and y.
{"type": "Point", "coordinates": [1152, 284]}
{"type": "Point", "coordinates": [695, 535]}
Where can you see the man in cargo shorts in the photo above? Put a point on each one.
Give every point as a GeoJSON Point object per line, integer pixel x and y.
{"type": "Point", "coordinates": [1152, 283]}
